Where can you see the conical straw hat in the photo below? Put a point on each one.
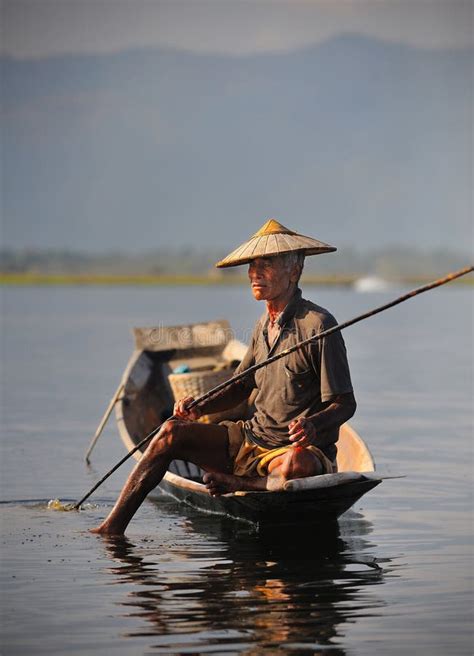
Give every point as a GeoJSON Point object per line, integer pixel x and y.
{"type": "Point", "coordinates": [274, 239]}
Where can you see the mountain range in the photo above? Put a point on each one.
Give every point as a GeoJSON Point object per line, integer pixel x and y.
{"type": "Point", "coordinates": [358, 142]}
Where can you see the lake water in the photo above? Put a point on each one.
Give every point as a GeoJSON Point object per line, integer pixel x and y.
{"type": "Point", "coordinates": [394, 577]}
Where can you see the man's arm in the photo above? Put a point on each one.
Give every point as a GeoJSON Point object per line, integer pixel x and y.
{"type": "Point", "coordinates": [314, 429]}
{"type": "Point", "coordinates": [227, 398]}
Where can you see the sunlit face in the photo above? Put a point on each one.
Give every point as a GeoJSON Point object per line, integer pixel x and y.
{"type": "Point", "coordinates": [269, 278]}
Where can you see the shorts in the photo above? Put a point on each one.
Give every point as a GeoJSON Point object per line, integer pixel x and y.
{"type": "Point", "coordinates": [249, 459]}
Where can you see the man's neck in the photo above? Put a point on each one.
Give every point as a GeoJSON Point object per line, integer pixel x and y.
{"type": "Point", "coordinates": [276, 305]}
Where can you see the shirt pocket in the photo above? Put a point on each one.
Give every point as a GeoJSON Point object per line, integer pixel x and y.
{"type": "Point", "coordinates": [299, 386]}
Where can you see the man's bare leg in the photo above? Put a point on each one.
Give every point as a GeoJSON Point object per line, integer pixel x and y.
{"type": "Point", "coordinates": [297, 463]}
{"type": "Point", "coordinates": [206, 445]}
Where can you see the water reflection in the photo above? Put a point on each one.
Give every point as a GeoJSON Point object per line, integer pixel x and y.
{"type": "Point", "coordinates": [225, 588]}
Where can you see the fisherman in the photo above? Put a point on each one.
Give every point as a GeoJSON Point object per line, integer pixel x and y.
{"type": "Point", "coordinates": [300, 400]}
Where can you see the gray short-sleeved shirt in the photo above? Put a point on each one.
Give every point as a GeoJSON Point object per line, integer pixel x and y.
{"type": "Point", "coordinates": [299, 384]}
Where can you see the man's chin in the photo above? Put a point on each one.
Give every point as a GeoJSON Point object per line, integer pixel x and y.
{"type": "Point", "coordinates": [258, 294]}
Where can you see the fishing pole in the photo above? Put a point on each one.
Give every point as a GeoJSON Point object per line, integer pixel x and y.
{"type": "Point", "coordinates": [238, 377]}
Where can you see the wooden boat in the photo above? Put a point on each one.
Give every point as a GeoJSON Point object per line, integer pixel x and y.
{"type": "Point", "coordinates": [147, 400]}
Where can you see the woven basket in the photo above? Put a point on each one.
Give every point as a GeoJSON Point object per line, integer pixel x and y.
{"type": "Point", "coordinates": [197, 383]}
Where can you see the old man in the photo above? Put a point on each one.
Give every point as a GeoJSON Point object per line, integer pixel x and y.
{"type": "Point", "coordinates": [300, 400]}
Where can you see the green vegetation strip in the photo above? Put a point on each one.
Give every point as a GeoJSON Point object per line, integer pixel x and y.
{"type": "Point", "coordinates": [33, 279]}
{"type": "Point", "coordinates": [91, 279]}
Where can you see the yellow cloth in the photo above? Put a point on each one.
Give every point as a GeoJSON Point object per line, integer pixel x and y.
{"type": "Point", "coordinates": [252, 460]}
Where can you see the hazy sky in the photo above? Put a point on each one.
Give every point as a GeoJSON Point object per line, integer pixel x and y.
{"type": "Point", "coordinates": [348, 120]}
{"type": "Point", "coordinates": [38, 28]}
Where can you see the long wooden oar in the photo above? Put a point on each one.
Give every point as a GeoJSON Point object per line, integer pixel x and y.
{"type": "Point", "coordinates": [282, 354]}
{"type": "Point", "coordinates": [103, 421]}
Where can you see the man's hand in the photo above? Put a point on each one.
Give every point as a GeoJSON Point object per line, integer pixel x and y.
{"type": "Point", "coordinates": [302, 432]}
{"type": "Point", "coordinates": [181, 411]}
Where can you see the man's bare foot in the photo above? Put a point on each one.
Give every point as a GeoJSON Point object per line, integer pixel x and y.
{"type": "Point", "coordinates": [105, 529]}
{"type": "Point", "coordinates": [218, 483]}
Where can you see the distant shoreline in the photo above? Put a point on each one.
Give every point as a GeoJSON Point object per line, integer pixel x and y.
{"type": "Point", "coordinates": [41, 279]}
{"type": "Point", "coordinates": [26, 279]}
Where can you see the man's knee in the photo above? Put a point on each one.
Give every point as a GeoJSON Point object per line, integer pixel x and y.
{"type": "Point", "coordinates": [167, 441]}
{"type": "Point", "coordinates": [299, 463]}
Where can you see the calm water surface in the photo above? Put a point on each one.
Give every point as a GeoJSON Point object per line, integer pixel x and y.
{"type": "Point", "coordinates": [395, 575]}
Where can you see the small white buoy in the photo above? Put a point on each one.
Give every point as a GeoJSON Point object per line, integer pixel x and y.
{"type": "Point", "coordinates": [371, 284]}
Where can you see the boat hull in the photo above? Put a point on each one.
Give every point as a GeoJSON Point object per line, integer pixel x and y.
{"type": "Point", "coordinates": [274, 508]}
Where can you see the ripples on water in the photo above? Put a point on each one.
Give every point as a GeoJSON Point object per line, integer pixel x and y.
{"type": "Point", "coordinates": [193, 584]}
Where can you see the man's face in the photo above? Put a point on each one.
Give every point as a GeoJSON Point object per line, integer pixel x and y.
{"type": "Point", "coordinates": [269, 278]}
